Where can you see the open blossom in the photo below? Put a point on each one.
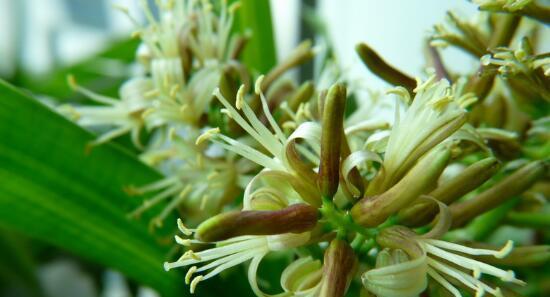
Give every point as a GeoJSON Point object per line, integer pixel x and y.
{"type": "Point", "coordinates": [121, 116]}
{"type": "Point", "coordinates": [516, 62]}
{"type": "Point", "coordinates": [436, 112]}
{"type": "Point", "coordinates": [439, 260]}
{"type": "Point", "coordinates": [231, 252]}
{"type": "Point", "coordinates": [188, 35]}
{"type": "Point", "coordinates": [275, 157]}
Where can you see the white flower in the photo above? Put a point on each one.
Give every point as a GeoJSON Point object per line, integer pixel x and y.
{"type": "Point", "coordinates": [436, 112]}
{"type": "Point", "coordinates": [201, 183]}
{"type": "Point", "coordinates": [124, 114]}
{"type": "Point", "coordinates": [514, 62]}
{"type": "Point", "coordinates": [274, 160]}
{"type": "Point", "coordinates": [273, 142]}
{"type": "Point", "coordinates": [195, 26]}
{"type": "Point", "coordinates": [231, 252]}
{"type": "Point", "coordinates": [440, 260]}
{"type": "Point", "coordinates": [204, 190]}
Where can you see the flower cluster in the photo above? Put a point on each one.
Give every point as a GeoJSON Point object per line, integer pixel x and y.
{"type": "Point", "coordinates": [393, 204]}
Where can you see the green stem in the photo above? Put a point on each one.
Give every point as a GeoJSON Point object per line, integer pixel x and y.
{"type": "Point", "coordinates": [531, 220]}
{"type": "Point", "coordinates": [343, 221]}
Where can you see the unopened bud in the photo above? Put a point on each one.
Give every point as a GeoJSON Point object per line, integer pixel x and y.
{"type": "Point", "coordinates": [513, 185]}
{"type": "Point", "coordinates": [300, 55]}
{"type": "Point", "coordinates": [331, 140]}
{"type": "Point", "coordinates": [338, 269]}
{"type": "Point", "coordinates": [303, 94]}
{"type": "Point", "coordinates": [422, 212]}
{"type": "Point", "coordinates": [382, 69]}
{"type": "Point", "coordinates": [372, 211]}
{"type": "Point", "coordinates": [296, 218]}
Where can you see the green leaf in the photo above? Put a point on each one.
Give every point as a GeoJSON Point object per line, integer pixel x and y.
{"type": "Point", "coordinates": [52, 190]}
{"type": "Point", "coordinates": [17, 265]}
{"type": "Point", "coordinates": [259, 53]}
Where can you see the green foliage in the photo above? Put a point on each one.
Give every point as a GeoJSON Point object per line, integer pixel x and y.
{"type": "Point", "coordinates": [54, 191]}
{"type": "Point", "coordinates": [255, 16]}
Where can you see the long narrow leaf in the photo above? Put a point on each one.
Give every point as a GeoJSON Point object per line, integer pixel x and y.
{"type": "Point", "coordinates": [50, 189]}
{"type": "Point", "coordinates": [255, 15]}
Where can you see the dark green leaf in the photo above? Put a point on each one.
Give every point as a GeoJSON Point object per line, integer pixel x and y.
{"type": "Point", "coordinates": [51, 190]}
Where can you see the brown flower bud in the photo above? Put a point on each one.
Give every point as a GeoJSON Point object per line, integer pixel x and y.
{"type": "Point", "coordinates": [303, 94]}
{"type": "Point", "coordinates": [301, 54]}
{"type": "Point", "coordinates": [422, 212]}
{"type": "Point", "coordinates": [331, 140]}
{"type": "Point", "coordinates": [372, 211]}
{"type": "Point", "coordinates": [296, 218]}
{"type": "Point", "coordinates": [382, 69]}
{"type": "Point", "coordinates": [338, 269]}
{"type": "Point", "coordinates": [512, 185]}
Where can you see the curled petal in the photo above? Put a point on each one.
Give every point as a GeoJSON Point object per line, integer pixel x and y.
{"type": "Point", "coordinates": [354, 160]}
{"type": "Point", "coordinates": [398, 280]}
{"type": "Point", "coordinates": [444, 220]}
{"type": "Point", "coordinates": [253, 279]}
{"type": "Point", "coordinates": [302, 276]}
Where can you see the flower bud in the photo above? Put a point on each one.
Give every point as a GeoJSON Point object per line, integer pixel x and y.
{"type": "Point", "coordinates": [338, 269]}
{"type": "Point", "coordinates": [372, 211]}
{"type": "Point", "coordinates": [331, 140]}
{"type": "Point", "coordinates": [512, 185]}
{"type": "Point", "coordinates": [300, 55]}
{"type": "Point", "coordinates": [422, 212]}
{"type": "Point", "coordinates": [382, 69]}
{"type": "Point", "coordinates": [303, 94]}
{"type": "Point", "coordinates": [296, 218]}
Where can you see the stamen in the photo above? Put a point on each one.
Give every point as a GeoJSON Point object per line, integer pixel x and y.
{"type": "Point", "coordinates": [90, 94]}
{"type": "Point", "coordinates": [184, 229]}
{"type": "Point", "coordinates": [401, 93]}
{"type": "Point", "coordinates": [240, 97]}
{"type": "Point", "coordinates": [189, 274]}
{"type": "Point", "coordinates": [473, 251]}
{"type": "Point", "coordinates": [194, 283]}
{"type": "Point", "coordinates": [441, 280]}
{"type": "Point", "coordinates": [258, 85]}
{"type": "Point", "coordinates": [506, 249]}
{"type": "Point", "coordinates": [207, 135]}
{"type": "Point", "coordinates": [190, 255]}
{"type": "Point", "coordinates": [181, 241]}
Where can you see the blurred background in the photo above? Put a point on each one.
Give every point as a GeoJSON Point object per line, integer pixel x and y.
{"type": "Point", "coordinates": [37, 36]}
{"type": "Point", "coordinates": [40, 37]}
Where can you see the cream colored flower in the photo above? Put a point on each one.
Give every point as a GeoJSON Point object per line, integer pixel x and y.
{"type": "Point", "coordinates": [231, 252]}
{"type": "Point", "coordinates": [120, 116]}
{"type": "Point", "coordinates": [440, 260]}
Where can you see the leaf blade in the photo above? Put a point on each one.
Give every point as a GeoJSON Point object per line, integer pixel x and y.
{"type": "Point", "coordinates": [260, 52]}
{"type": "Point", "coordinates": [51, 190]}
